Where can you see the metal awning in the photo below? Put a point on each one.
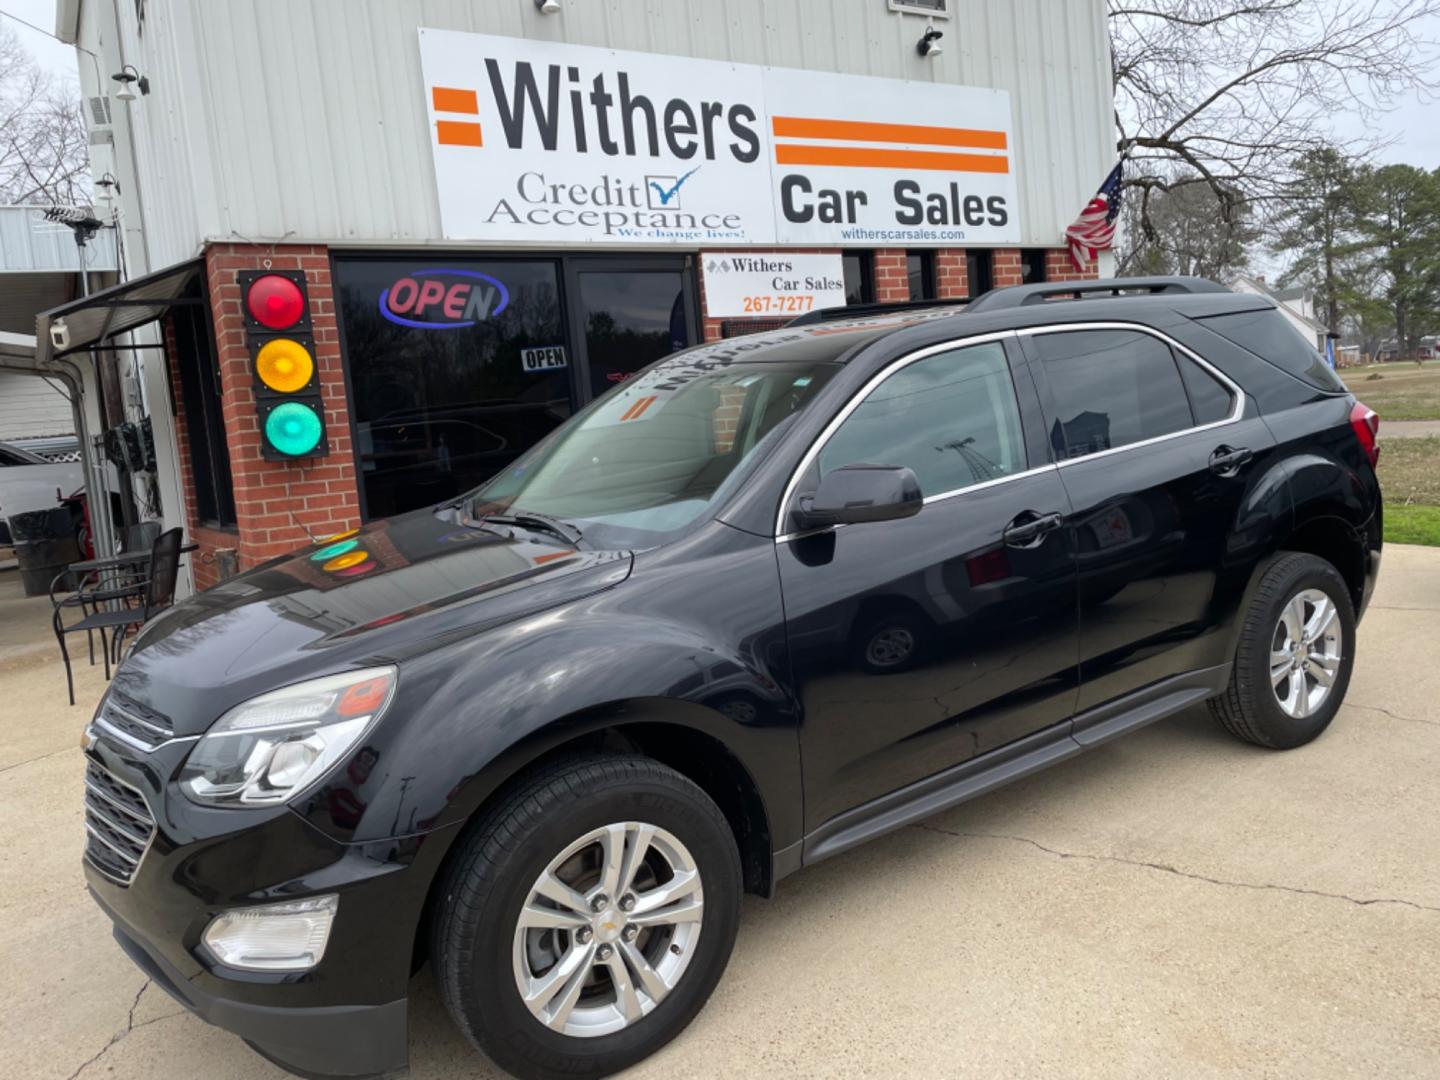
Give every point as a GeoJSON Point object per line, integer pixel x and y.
{"type": "Point", "coordinates": [91, 319]}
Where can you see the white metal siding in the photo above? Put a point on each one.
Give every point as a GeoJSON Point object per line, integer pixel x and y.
{"type": "Point", "coordinates": [276, 117]}
{"type": "Point", "coordinates": [31, 407]}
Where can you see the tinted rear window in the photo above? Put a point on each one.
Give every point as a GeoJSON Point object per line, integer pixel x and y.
{"type": "Point", "coordinates": [1269, 335]}
{"type": "Point", "coordinates": [1111, 388]}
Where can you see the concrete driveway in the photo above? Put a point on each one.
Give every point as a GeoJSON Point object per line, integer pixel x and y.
{"type": "Point", "coordinates": [1173, 904]}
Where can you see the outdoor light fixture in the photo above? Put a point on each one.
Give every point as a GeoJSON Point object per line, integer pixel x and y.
{"type": "Point", "coordinates": [107, 187]}
{"type": "Point", "coordinates": [548, 7]}
{"type": "Point", "coordinates": [929, 44]}
{"type": "Point", "coordinates": [125, 78]}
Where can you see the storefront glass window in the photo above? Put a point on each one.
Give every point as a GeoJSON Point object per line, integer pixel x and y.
{"type": "Point", "coordinates": [457, 366]}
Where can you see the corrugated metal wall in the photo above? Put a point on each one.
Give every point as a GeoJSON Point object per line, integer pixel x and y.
{"type": "Point", "coordinates": [276, 117]}
{"type": "Point", "coordinates": [31, 407]}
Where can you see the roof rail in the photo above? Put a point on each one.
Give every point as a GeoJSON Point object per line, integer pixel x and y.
{"type": "Point", "coordinates": [1022, 295]}
{"type": "Point", "coordinates": [861, 311]}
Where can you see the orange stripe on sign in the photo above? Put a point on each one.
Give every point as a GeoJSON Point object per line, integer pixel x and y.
{"type": "Point", "coordinates": [635, 411]}
{"type": "Point", "coordinates": [866, 158]}
{"type": "Point", "coordinates": [457, 133]}
{"type": "Point", "coordinates": [447, 99]}
{"type": "Point", "coordinates": [801, 127]}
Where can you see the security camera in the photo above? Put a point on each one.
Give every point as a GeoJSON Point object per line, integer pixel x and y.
{"type": "Point", "coordinates": [548, 7]}
{"type": "Point", "coordinates": [60, 335]}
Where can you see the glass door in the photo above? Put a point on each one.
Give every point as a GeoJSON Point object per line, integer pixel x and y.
{"type": "Point", "coordinates": [627, 312]}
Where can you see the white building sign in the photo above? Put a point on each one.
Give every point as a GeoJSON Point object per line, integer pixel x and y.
{"type": "Point", "coordinates": [750, 283]}
{"type": "Point", "coordinates": [545, 142]}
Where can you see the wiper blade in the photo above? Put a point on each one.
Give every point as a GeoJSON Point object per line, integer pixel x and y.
{"type": "Point", "coordinates": [537, 523]}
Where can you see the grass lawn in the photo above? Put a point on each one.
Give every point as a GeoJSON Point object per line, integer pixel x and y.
{"type": "Point", "coordinates": [1410, 477]}
{"type": "Point", "coordinates": [1397, 391]}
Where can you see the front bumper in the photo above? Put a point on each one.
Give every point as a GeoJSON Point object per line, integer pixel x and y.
{"type": "Point", "coordinates": [346, 1017]}
{"type": "Point", "coordinates": [319, 1041]}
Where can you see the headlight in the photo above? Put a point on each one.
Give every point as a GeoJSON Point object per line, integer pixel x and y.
{"type": "Point", "coordinates": [272, 747]}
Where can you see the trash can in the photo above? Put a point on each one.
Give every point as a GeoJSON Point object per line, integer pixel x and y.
{"type": "Point", "coordinates": [45, 545]}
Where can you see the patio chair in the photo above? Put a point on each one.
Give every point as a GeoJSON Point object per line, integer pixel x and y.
{"type": "Point", "coordinates": [155, 593]}
{"type": "Point", "coordinates": [107, 580]}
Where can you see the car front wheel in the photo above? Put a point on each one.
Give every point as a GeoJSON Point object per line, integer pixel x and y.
{"type": "Point", "coordinates": [587, 917]}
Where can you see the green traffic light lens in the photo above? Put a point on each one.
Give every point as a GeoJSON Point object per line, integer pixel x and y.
{"type": "Point", "coordinates": [329, 552]}
{"type": "Point", "coordinates": [292, 428]}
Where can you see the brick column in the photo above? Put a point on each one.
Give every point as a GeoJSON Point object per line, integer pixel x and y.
{"type": "Point", "coordinates": [1006, 267]}
{"type": "Point", "coordinates": [1058, 267]}
{"type": "Point", "coordinates": [952, 278]}
{"type": "Point", "coordinates": [892, 283]}
{"type": "Point", "coordinates": [280, 504]}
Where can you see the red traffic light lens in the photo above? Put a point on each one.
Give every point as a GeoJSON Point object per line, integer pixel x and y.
{"type": "Point", "coordinates": [275, 302]}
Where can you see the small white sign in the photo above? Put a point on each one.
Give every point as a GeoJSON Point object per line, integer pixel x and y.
{"type": "Point", "coordinates": [747, 284]}
{"type": "Point", "coordinates": [543, 358]}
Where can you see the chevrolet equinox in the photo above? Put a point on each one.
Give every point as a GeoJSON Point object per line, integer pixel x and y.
{"type": "Point", "coordinates": [765, 600]}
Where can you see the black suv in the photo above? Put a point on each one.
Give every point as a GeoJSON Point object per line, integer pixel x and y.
{"type": "Point", "coordinates": [767, 599]}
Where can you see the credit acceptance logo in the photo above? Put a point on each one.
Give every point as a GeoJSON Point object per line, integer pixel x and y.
{"type": "Point", "coordinates": [441, 299]}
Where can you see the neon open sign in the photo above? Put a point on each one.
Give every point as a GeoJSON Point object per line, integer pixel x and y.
{"type": "Point", "coordinates": [443, 299]}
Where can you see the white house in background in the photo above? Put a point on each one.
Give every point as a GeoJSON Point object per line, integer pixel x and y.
{"type": "Point", "coordinates": [1297, 305]}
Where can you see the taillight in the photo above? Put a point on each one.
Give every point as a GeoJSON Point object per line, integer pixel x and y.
{"type": "Point", "coordinates": [1366, 422]}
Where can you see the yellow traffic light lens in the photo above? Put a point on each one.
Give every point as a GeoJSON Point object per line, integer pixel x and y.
{"type": "Point", "coordinates": [284, 365]}
{"type": "Point", "coordinates": [344, 562]}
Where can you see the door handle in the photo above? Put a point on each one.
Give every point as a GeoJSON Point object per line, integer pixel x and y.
{"type": "Point", "coordinates": [1029, 528]}
{"type": "Point", "coordinates": [1228, 460]}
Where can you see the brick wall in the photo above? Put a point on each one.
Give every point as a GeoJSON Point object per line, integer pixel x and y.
{"type": "Point", "coordinates": [892, 283]}
{"type": "Point", "coordinates": [951, 276]}
{"type": "Point", "coordinates": [1058, 267]}
{"type": "Point", "coordinates": [280, 504]}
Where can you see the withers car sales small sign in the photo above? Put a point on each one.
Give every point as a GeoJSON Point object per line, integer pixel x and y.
{"type": "Point", "coordinates": [547, 142]}
{"type": "Point", "coordinates": [776, 283]}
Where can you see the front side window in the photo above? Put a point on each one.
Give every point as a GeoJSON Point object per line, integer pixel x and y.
{"type": "Point", "coordinates": [645, 460]}
{"type": "Point", "coordinates": [951, 417]}
{"type": "Point", "coordinates": [1111, 388]}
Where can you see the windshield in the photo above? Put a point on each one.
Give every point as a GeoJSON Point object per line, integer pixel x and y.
{"type": "Point", "coordinates": [647, 458]}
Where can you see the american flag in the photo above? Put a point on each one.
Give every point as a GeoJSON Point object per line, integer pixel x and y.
{"type": "Point", "coordinates": [1094, 230]}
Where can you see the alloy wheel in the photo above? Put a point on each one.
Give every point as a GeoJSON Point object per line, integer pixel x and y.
{"type": "Point", "coordinates": [1305, 653]}
{"type": "Point", "coordinates": [608, 929]}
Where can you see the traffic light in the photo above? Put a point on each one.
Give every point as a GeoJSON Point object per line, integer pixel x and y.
{"type": "Point", "coordinates": [282, 364]}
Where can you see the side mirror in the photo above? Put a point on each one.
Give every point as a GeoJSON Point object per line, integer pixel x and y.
{"type": "Point", "coordinates": [858, 493]}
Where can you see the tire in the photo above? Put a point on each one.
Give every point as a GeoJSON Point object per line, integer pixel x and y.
{"type": "Point", "coordinates": [890, 644]}
{"type": "Point", "coordinates": [1270, 712]}
{"type": "Point", "coordinates": [476, 940]}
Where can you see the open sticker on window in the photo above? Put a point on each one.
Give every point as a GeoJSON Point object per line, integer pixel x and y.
{"type": "Point", "coordinates": [539, 358]}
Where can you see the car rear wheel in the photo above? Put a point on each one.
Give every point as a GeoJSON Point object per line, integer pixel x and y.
{"type": "Point", "coordinates": [1294, 657]}
{"type": "Point", "coordinates": [587, 917]}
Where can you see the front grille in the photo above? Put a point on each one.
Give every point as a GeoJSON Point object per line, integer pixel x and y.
{"type": "Point", "coordinates": [118, 825]}
{"type": "Point", "coordinates": [134, 723]}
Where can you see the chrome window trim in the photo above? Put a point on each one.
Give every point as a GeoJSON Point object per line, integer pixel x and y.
{"type": "Point", "coordinates": [1237, 393]}
{"type": "Point", "coordinates": [781, 536]}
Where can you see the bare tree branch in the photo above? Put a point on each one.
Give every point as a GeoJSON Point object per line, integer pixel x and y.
{"type": "Point", "coordinates": [44, 150]}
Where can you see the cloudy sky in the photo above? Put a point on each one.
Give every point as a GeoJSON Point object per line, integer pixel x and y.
{"type": "Point", "coordinates": [1412, 127]}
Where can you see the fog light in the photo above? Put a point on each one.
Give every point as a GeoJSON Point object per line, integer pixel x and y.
{"type": "Point", "coordinates": [273, 937]}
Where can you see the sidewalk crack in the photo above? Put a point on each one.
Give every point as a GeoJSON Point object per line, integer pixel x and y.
{"type": "Point", "coordinates": [119, 1035]}
{"type": "Point", "coordinates": [37, 757]}
{"type": "Point", "coordinates": [1393, 715]}
{"type": "Point", "coordinates": [1165, 868]}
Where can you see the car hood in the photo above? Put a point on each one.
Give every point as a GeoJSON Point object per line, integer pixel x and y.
{"type": "Point", "coordinates": [393, 589]}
